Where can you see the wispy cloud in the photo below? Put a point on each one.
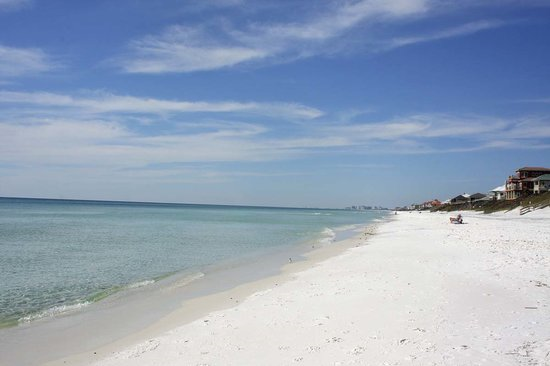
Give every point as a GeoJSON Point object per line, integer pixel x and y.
{"type": "Point", "coordinates": [113, 144]}
{"type": "Point", "coordinates": [527, 128]}
{"type": "Point", "coordinates": [324, 29]}
{"type": "Point", "coordinates": [427, 126]}
{"type": "Point", "coordinates": [101, 102]}
{"type": "Point", "coordinates": [110, 144]}
{"type": "Point", "coordinates": [461, 30]}
{"type": "Point", "coordinates": [187, 49]}
{"type": "Point", "coordinates": [184, 49]}
{"type": "Point", "coordinates": [427, 134]}
{"type": "Point", "coordinates": [24, 61]}
{"type": "Point", "coordinates": [537, 100]}
{"type": "Point", "coordinates": [99, 129]}
{"type": "Point", "coordinates": [339, 18]}
{"type": "Point", "coordinates": [13, 4]}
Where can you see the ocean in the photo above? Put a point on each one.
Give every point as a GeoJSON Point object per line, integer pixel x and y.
{"type": "Point", "coordinates": [59, 256]}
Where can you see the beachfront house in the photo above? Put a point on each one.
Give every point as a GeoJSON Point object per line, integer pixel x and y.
{"type": "Point", "coordinates": [461, 198]}
{"type": "Point", "coordinates": [498, 193]}
{"type": "Point", "coordinates": [514, 188]}
{"type": "Point", "coordinates": [429, 204]}
{"type": "Point", "coordinates": [467, 198]}
{"type": "Point", "coordinates": [523, 183]}
{"type": "Point", "coordinates": [541, 184]}
{"type": "Point", "coordinates": [477, 197]}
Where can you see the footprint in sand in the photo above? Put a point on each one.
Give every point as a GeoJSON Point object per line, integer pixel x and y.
{"type": "Point", "coordinates": [312, 349]}
{"type": "Point", "coordinates": [357, 351]}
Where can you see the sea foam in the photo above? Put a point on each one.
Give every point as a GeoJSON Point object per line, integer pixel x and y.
{"type": "Point", "coordinates": [54, 311]}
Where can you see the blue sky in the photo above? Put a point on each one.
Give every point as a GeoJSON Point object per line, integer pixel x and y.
{"type": "Point", "coordinates": [284, 103]}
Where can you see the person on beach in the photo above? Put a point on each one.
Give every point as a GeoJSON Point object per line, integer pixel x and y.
{"type": "Point", "coordinates": [456, 220]}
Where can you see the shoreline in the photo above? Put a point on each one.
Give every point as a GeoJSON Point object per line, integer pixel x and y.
{"type": "Point", "coordinates": [421, 292]}
{"type": "Point", "coordinates": [199, 307]}
{"type": "Point", "coordinates": [182, 278]}
{"type": "Point", "coordinates": [61, 256]}
{"type": "Point", "coordinates": [227, 277]}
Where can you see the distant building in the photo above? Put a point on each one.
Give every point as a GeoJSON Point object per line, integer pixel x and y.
{"type": "Point", "coordinates": [365, 208]}
{"type": "Point", "coordinates": [477, 197]}
{"type": "Point", "coordinates": [429, 204]}
{"type": "Point", "coordinates": [531, 172]}
{"type": "Point", "coordinates": [514, 188]}
{"type": "Point", "coordinates": [467, 198]}
{"type": "Point", "coordinates": [461, 198]}
{"type": "Point", "coordinates": [523, 183]}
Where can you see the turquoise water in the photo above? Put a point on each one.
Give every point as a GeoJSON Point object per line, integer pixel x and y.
{"type": "Point", "coordinates": [58, 255]}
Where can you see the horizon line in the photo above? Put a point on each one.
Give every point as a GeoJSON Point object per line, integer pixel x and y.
{"type": "Point", "coordinates": [169, 203]}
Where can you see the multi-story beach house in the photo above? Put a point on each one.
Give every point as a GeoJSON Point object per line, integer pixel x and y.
{"type": "Point", "coordinates": [523, 183]}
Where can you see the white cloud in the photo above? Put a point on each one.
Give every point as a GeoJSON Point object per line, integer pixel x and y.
{"type": "Point", "coordinates": [461, 30]}
{"type": "Point", "coordinates": [428, 126]}
{"type": "Point", "coordinates": [528, 128]}
{"type": "Point", "coordinates": [435, 133]}
{"type": "Point", "coordinates": [336, 21]}
{"type": "Point", "coordinates": [324, 29]}
{"type": "Point", "coordinates": [182, 49]}
{"type": "Point", "coordinates": [101, 102]}
{"type": "Point", "coordinates": [24, 61]}
{"type": "Point", "coordinates": [13, 4]}
{"type": "Point", "coordinates": [539, 100]}
{"type": "Point", "coordinates": [186, 49]}
{"type": "Point", "coordinates": [116, 145]}
{"type": "Point", "coordinates": [109, 144]}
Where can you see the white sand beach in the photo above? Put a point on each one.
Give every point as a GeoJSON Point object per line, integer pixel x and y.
{"type": "Point", "coordinates": [420, 291]}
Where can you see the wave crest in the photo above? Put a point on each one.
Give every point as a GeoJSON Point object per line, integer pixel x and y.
{"type": "Point", "coordinates": [54, 311]}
